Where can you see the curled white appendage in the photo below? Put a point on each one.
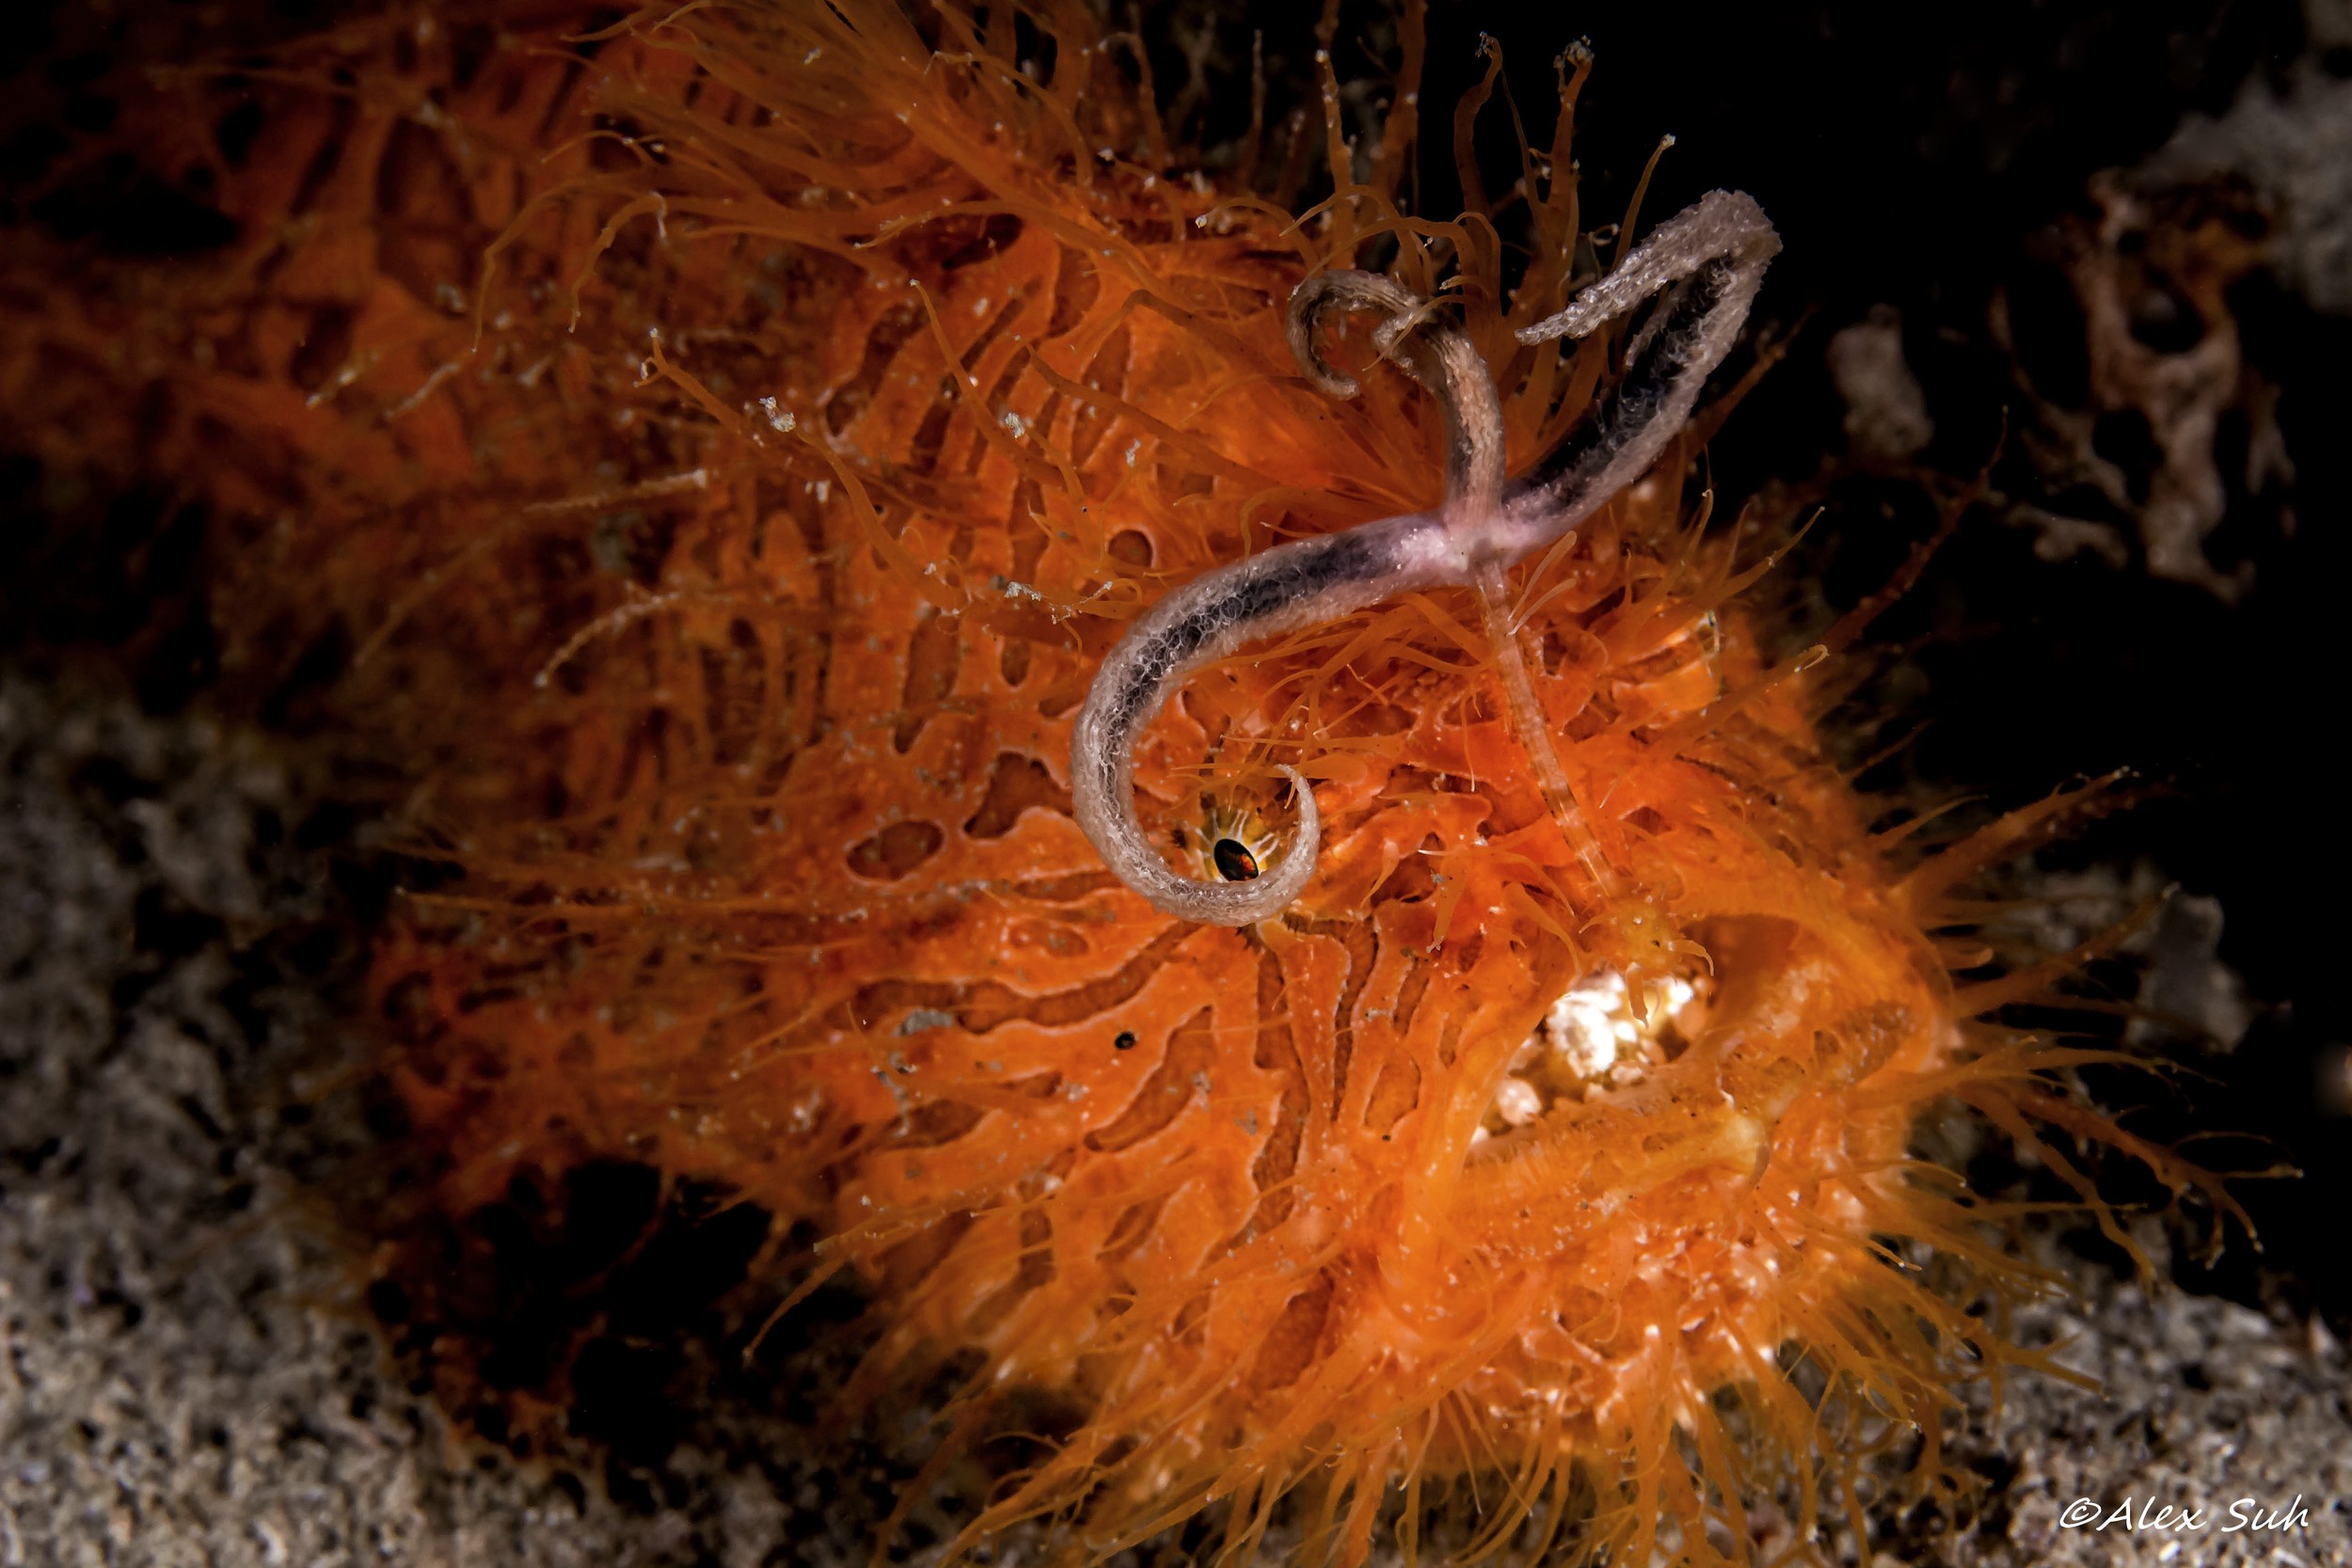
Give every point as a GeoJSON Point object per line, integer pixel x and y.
{"type": "Point", "coordinates": [1720, 226]}
{"type": "Point", "coordinates": [1435, 352]}
{"type": "Point", "coordinates": [1711, 258]}
{"type": "Point", "coordinates": [1302, 583]}
{"type": "Point", "coordinates": [1709, 261]}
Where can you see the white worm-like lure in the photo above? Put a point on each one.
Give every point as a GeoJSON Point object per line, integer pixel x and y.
{"type": "Point", "coordinates": [1708, 260]}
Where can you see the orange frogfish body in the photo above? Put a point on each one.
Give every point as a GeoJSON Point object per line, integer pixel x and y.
{"type": "Point", "coordinates": [714, 455]}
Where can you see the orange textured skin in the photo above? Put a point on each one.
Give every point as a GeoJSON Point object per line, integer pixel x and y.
{"type": "Point", "coordinates": [748, 720]}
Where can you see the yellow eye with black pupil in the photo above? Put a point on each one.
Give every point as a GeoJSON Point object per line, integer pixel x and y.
{"type": "Point", "coordinates": [1234, 862]}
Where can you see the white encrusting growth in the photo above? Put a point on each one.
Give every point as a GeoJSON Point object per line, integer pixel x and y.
{"type": "Point", "coordinates": [1593, 1039]}
{"type": "Point", "coordinates": [1706, 261]}
{"type": "Point", "coordinates": [1593, 1026]}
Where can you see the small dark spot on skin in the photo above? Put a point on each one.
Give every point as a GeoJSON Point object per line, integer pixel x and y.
{"type": "Point", "coordinates": [1130, 548]}
{"type": "Point", "coordinates": [1126, 1040]}
{"type": "Point", "coordinates": [1234, 862]}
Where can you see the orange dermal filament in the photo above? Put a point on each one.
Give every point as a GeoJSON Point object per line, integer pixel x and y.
{"type": "Point", "coordinates": [1707, 260]}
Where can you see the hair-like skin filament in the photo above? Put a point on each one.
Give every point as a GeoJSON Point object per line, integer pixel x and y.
{"type": "Point", "coordinates": [1707, 260]}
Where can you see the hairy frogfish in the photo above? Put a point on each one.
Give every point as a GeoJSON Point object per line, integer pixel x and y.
{"type": "Point", "coordinates": [1182, 783]}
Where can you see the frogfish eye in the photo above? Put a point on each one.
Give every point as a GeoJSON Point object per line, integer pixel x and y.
{"type": "Point", "coordinates": [1234, 862]}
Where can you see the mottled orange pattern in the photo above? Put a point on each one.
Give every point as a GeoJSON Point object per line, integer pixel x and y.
{"type": "Point", "coordinates": [712, 457]}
